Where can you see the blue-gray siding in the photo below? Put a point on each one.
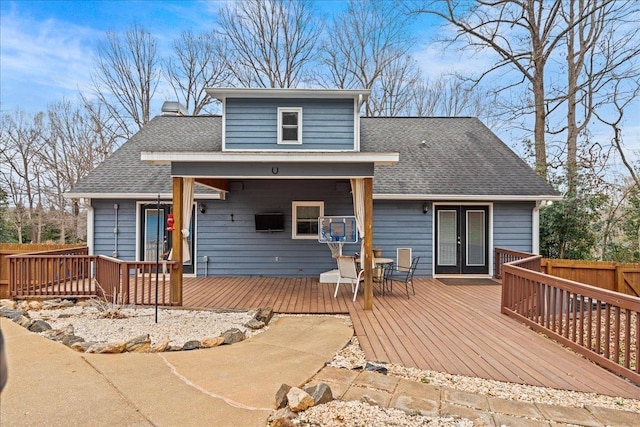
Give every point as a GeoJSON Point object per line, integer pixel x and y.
{"type": "Point", "coordinates": [226, 231]}
{"type": "Point", "coordinates": [123, 243]}
{"type": "Point", "coordinates": [512, 225]}
{"type": "Point", "coordinates": [327, 124]}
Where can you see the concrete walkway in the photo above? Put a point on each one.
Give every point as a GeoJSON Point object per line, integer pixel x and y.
{"type": "Point", "coordinates": [235, 385]}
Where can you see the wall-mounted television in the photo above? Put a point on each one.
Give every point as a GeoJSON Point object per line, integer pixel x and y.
{"type": "Point", "coordinates": [270, 221]}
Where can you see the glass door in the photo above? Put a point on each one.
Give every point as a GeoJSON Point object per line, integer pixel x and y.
{"type": "Point", "coordinates": [462, 240]}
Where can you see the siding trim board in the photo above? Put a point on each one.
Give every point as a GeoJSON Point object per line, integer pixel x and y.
{"type": "Point", "coordinates": [272, 170]}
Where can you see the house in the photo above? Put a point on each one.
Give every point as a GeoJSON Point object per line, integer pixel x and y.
{"type": "Point", "coordinates": [276, 159]}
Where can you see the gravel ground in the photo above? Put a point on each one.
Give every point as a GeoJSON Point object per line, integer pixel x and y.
{"type": "Point", "coordinates": [352, 356]}
{"type": "Point", "coordinates": [178, 325]}
{"type": "Point", "coordinates": [181, 326]}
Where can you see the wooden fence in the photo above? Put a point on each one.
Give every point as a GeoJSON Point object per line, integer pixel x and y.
{"type": "Point", "coordinates": [600, 324]}
{"type": "Point", "coordinates": [623, 278]}
{"type": "Point", "coordinates": [73, 273]}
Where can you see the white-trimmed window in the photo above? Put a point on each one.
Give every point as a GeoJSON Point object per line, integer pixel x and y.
{"type": "Point", "coordinates": [289, 125]}
{"type": "Point", "coordinates": [305, 219]}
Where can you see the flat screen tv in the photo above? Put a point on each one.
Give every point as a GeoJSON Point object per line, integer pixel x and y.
{"type": "Point", "coordinates": [270, 221]}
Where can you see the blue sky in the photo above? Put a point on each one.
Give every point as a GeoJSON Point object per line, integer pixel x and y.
{"type": "Point", "coordinates": [47, 47]}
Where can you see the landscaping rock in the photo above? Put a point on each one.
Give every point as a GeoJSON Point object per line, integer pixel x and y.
{"type": "Point", "coordinates": [233, 336]}
{"type": "Point", "coordinates": [191, 345]}
{"type": "Point", "coordinates": [281, 396]}
{"type": "Point", "coordinates": [299, 400]}
{"type": "Point", "coordinates": [161, 346]}
{"type": "Point", "coordinates": [139, 344]}
{"type": "Point", "coordinates": [264, 315]}
{"type": "Point", "coordinates": [254, 324]}
{"type": "Point", "coordinates": [9, 303]}
{"type": "Point", "coordinates": [56, 303]}
{"type": "Point", "coordinates": [211, 342]}
{"type": "Point", "coordinates": [37, 325]}
{"type": "Point", "coordinates": [59, 334]}
{"type": "Point", "coordinates": [22, 320]}
{"type": "Point", "coordinates": [374, 368]}
{"type": "Point", "coordinates": [281, 418]}
{"type": "Point", "coordinates": [81, 346]}
{"type": "Point", "coordinates": [107, 348]}
{"type": "Point", "coordinates": [69, 340]}
{"type": "Point", "coordinates": [10, 313]}
{"type": "Point", "coordinates": [321, 393]}
{"type": "Point", "coordinates": [34, 305]}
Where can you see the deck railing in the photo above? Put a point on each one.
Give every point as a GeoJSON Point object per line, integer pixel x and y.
{"type": "Point", "coordinates": [601, 325]}
{"type": "Point", "coordinates": [503, 256]}
{"type": "Point", "coordinates": [75, 274]}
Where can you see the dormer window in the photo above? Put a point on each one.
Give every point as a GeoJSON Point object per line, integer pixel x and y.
{"type": "Point", "coordinates": [289, 125]}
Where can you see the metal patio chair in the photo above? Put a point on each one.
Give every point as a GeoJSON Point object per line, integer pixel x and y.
{"type": "Point", "coordinates": [401, 274]}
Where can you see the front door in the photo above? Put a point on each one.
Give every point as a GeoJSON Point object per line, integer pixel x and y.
{"type": "Point", "coordinates": [462, 239]}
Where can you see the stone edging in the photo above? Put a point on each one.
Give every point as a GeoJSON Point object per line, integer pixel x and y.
{"type": "Point", "coordinates": [17, 312]}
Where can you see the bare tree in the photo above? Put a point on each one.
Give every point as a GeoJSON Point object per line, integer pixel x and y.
{"type": "Point", "coordinates": [126, 76]}
{"type": "Point", "coordinates": [72, 148]}
{"type": "Point", "coordinates": [535, 38]}
{"type": "Point", "coordinates": [393, 94]}
{"type": "Point", "coordinates": [448, 96]}
{"type": "Point", "coordinates": [22, 137]}
{"type": "Point", "coordinates": [365, 43]}
{"type": "Point", "coordinates": [269, 43]}
{"type": "Point", "coordinates": [196, 64]}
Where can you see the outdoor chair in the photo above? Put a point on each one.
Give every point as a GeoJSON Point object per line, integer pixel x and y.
{"type": "Point", "coordinates": [348, 272]}
{"type": "Point", "coordinates": [401, 274]}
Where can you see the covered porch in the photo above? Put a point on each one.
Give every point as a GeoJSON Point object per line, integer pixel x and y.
{"type": "Point", "coordinates": [448, 328]}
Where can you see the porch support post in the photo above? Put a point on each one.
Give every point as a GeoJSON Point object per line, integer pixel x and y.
{"type": "Point", "coordinates": [368, 244]}
{"type": "Point", "coordinates": [175, 291]}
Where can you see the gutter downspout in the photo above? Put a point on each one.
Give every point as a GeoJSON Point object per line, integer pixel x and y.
{"type": "Point", "coordinates": [535, 227]}
{"type": "Point", "coordinates": [91, 238]}
{"type": "Point", "coordinates": [115, 231]}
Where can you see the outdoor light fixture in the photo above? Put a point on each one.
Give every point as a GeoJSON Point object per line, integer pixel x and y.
{"type": "Point", "coordinates": [202, 207]}
{"type": "Point", "coordinates": [425, 207]}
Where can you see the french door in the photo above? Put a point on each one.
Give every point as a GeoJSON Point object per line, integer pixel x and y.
{"type": "Point", "coordinates": [462, 239]}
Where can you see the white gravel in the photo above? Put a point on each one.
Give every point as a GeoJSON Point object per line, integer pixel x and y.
{"type": "Point", "coordinates": [178, 325]}
{"type": "Point", "coordinates": [353, 357]}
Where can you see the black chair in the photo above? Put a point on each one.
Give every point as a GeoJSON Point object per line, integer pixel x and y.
{"type": "Point", "coordinates": [402, 275]}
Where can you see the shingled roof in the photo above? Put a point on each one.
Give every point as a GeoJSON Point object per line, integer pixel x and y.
{"type": "Point", "coordinates": [439, 157]}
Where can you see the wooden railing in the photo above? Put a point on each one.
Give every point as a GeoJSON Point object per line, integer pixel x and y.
{"type": "Point", "coordinates": [68, 274]}
{"type": "Point", "coordinates": [133, 282]}
{"type": "Point", "coordinates": [64, 272]}
{"type": "Point", "coordinates": [503, 256]}
{"type": "Point", "coordinates": [601, 325]}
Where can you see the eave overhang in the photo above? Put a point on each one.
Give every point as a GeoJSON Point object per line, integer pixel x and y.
{"type": "Point", "coordinates": [469, 197]}
{"type": "Point", "coordinates": [166, 158]}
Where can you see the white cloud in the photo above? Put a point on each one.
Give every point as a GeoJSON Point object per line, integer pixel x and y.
{"type": "Point", "coordinates": [52, 55]}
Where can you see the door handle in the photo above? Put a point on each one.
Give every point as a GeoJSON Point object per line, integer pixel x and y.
{"type": "Point", "coordinates": [459, 241]}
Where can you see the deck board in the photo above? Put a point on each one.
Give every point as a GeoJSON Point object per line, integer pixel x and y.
{"type": "Point", "coordinates": [455, 329]}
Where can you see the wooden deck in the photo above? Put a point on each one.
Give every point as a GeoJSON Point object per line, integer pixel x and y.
{"type": "Point", "coordinates": [456, 329]}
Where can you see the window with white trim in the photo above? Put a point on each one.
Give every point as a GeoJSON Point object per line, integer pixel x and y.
{"type": "Point", "coordinates": [305, 219]}
{"type": "Point", "coordinates": [289, 125]}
